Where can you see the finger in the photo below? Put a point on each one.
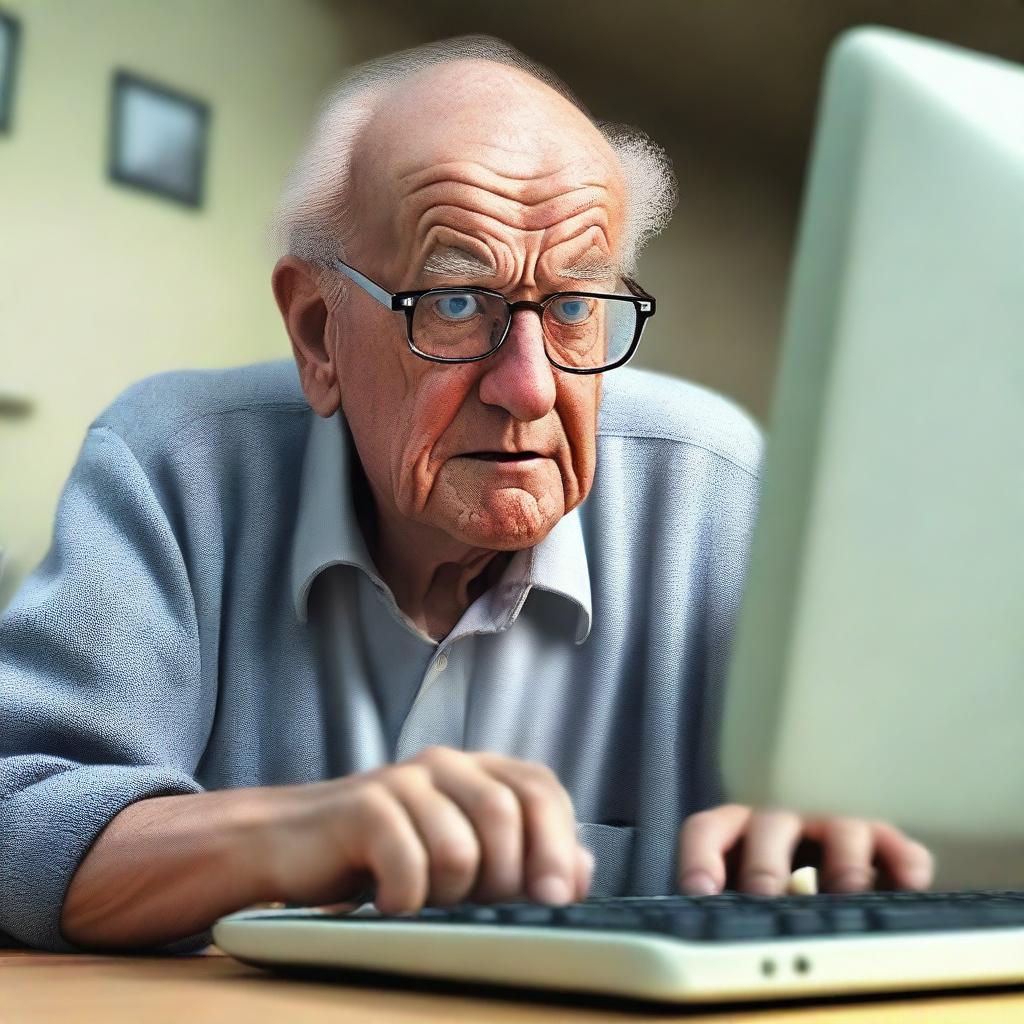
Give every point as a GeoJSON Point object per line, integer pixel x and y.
{"type": "Point", "coordinates": [392, 850]}
{"type": "Point", "coordinates": [768, 846]}
{"type": "Point", "coordinates": [493, 811]}
{"type": "Point", "coordinates": [453, 852]}
{"type": "Point", "coordinates": [584, 872]}
{"type": "Point", "coordinates": [704, 840]}
{"type": "Point", "coordinates": [549, 828]}
{"type": "Point", "coordinates": [848, 850]}
{"type": "Point", "coordinates": [907, 863]}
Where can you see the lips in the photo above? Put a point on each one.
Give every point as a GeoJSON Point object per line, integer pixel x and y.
{"type": "Point", "coordinates": [502, 456]}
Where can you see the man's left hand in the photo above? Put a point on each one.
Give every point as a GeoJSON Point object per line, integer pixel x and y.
{"type": "Point", "coordinates": [753, 851]}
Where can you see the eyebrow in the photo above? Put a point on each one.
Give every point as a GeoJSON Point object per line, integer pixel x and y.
{"type": "Point", "coordinates": [590, 267]}
{"type": "Point", "coordinates": [452, 262]}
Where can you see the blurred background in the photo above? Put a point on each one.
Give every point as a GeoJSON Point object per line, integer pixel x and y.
{"type": "Point", "coordinates": [101, 284]}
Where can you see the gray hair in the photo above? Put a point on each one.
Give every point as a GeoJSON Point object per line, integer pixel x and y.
{"type": "Point", "coordinates": [312, 219]}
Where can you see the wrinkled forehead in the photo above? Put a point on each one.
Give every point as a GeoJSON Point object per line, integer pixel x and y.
{"type": "Point", "coordinates": [490, 128]}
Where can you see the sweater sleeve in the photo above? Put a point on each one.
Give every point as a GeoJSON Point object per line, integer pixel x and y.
{"type": "Point", "coordinates": [101, 699]}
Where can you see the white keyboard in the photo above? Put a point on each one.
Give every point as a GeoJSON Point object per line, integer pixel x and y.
{"type": "Point", "coordinates": [729, 947]}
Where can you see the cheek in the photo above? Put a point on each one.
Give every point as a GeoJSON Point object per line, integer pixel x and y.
{"type": "Point", "coordinates": [393, 406]}
{"type": "Point", "coordinates": [578, 401]}
{"type": "Point", "coordinates": [433, 405]}
{"type": "Point", "coordinates": [368, 350]}
{"type": "Point", "coordinates": [370, 381]}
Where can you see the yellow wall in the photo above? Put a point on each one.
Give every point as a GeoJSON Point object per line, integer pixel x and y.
{"type": "Point", "coordinates": [101, 285]}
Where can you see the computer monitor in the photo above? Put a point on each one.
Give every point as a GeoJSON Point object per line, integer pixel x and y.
{"type": "Point", "coordinates": [878, 668]}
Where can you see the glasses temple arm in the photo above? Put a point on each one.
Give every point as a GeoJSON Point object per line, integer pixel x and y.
{"type": "Point", "coordinates": [371, 287]}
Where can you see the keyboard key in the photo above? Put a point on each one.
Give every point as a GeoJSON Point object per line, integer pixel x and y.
{"type": "Point", "coordinates": [847, 920]}
{"type": "Point", "coordinates": [803, 921]}
{"type": "Point", "coordinates": [686, 923]}
{"type": "Point", "coordinates": [743, 924]}
{"type": "Point", "coordinates": [582, 916]}
{"type": "Point", "coordinates": [476, 914]}
{"type": "Point", "coordinates": [525, 913]}
{"type": "Point", "coordinates": [432, 914]}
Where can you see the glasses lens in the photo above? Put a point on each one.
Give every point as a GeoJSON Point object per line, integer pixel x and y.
{"type": "Point", "coordinates": [585, 333]}
{"type": "Point", "coordinates": [458, 323]}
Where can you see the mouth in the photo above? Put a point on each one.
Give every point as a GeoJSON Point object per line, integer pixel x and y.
{"type": "Point", "coordinates": [502, 456]}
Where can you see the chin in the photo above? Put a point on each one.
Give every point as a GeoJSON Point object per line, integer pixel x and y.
{"type": "Point", "coordinates": [514, 521]}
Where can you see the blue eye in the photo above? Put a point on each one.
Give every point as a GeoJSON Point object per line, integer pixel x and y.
{"type": "Point", "coordinates": [571, 311]}
{"type": "Point", "coordinates": [462, 306]}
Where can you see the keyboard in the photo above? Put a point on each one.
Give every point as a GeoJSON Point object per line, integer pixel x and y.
{"type": "Point", "coordinates": [729, 947]}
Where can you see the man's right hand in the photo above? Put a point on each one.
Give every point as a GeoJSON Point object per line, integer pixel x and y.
{"type": "Point", "coordinates": [443, 827]}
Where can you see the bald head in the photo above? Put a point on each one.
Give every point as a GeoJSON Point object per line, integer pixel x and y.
{"type": "Point", "coordinates": [479, 101]}
{"type": "Point", "coordinates": [315, 216]}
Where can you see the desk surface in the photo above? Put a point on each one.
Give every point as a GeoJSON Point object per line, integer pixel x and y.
{"type": "Point", "coordinates": [43, 987]}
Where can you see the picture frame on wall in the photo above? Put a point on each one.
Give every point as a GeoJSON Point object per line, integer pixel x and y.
{"type": "Point", "coordinates": [158, 139]}
{"type": "Point", "coordinates": [10, 31]}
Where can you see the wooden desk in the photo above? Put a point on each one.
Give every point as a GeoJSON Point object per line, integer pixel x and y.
{"type": "Point", "coordinates": [36, 988]}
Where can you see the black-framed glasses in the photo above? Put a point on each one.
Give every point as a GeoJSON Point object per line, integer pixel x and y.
{"type": "Point", "coordinates": [584, 332]}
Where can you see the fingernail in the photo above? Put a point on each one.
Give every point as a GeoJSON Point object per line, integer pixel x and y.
{"type": "Point", "coordinates": [699, 883]}
{"type": "Point", "coordinates": [551, 889]}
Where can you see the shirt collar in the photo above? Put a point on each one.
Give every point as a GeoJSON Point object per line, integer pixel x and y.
{"type": "Point", "coordinates": [327, 533]}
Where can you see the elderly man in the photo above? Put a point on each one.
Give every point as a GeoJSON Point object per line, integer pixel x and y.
{"type": "Point", "coordinates": [459, 631]}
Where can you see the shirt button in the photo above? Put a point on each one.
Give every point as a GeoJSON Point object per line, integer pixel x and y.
{"type": "Point", "coordinates": [441, 664]}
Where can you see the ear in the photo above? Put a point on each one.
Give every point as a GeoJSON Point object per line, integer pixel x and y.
{"type": "Point", "coordinates": [297, 293]}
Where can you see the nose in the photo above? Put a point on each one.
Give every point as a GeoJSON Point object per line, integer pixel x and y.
{"type": "Point", "coordinates": [518, 377]}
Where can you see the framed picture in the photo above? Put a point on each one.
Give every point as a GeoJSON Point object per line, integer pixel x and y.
{"type": "Point", "coordinates": [9, 29]}
{"type": "Point", "coordinates": [158, 139]}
